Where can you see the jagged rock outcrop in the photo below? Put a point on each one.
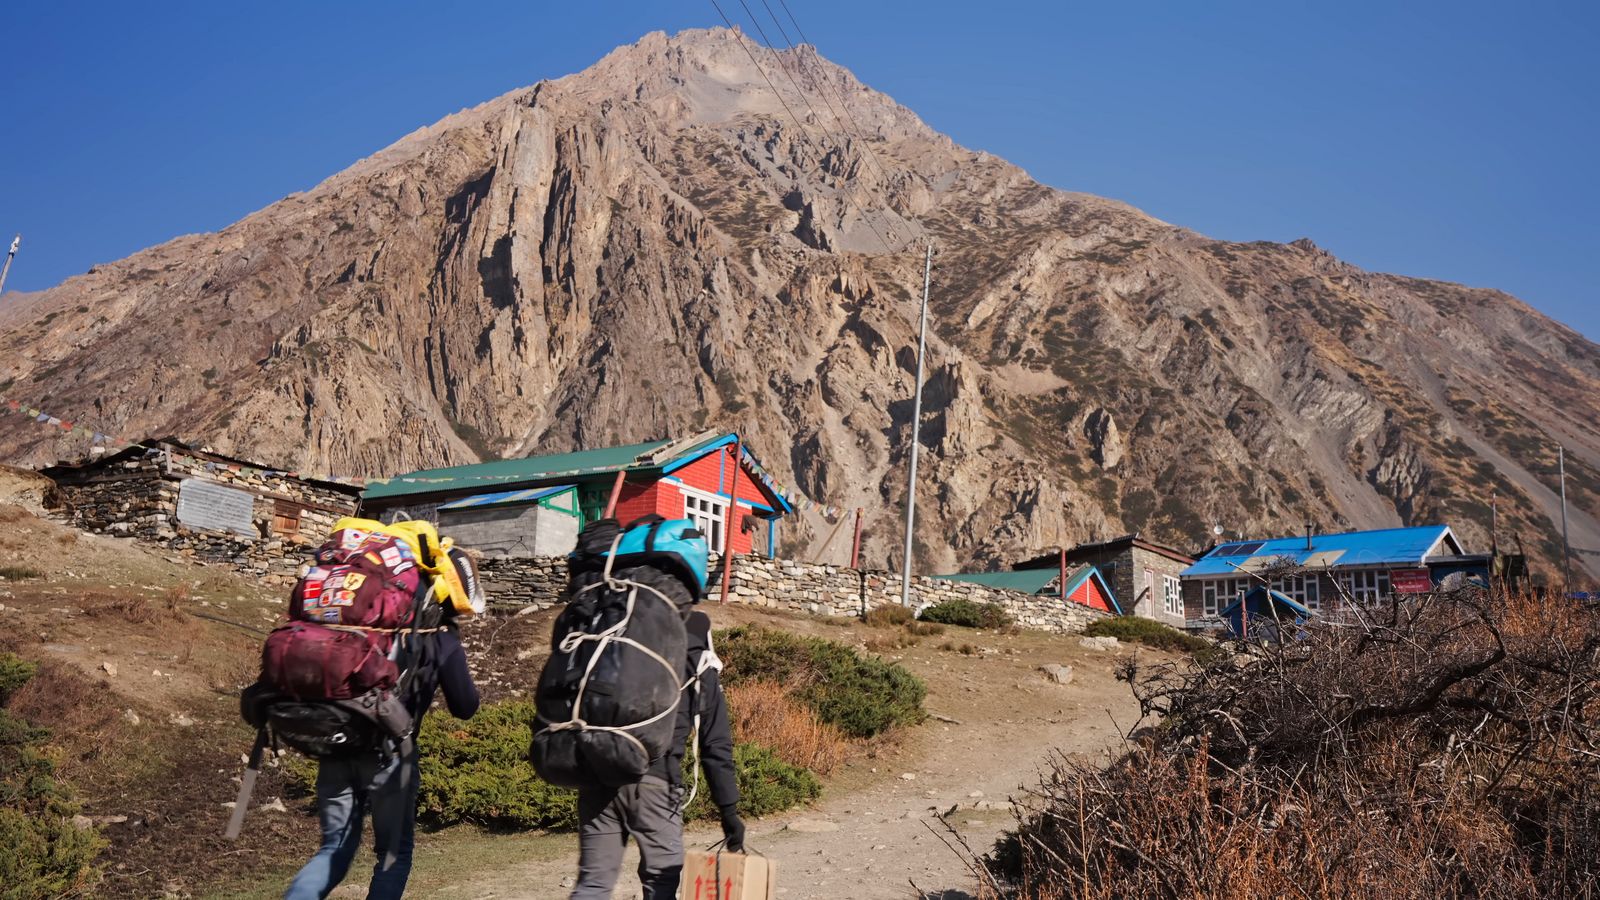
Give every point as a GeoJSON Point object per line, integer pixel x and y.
{"type": "Point", "coordinates": [651, 246]}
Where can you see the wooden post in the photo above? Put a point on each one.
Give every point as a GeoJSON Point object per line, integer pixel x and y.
{"type": "Point", "coordinates": [728, 523]}
{"type": "Point", "coordinates": [855, 551]}
{"type": "Point", "coordinates": [616, 494]}
{"type": "Point", "coordinates": [1063, 587]}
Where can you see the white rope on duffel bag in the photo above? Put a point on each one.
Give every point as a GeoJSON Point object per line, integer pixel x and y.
{"type": "Point", "coordinates": [708, 661]}
{"type": "Point", "coordinates": [616, 634]}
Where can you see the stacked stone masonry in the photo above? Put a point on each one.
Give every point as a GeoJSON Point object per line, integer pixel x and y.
{"type": "Point", "coordinates": [138, 497]}
{"type": "Point", "coordinates": [798, 587]}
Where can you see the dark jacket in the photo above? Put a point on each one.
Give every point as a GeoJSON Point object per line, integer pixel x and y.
{"type": "Point", "coordinates": [443, 664]}
{"type": "Point", "coordinates": [716, 736]}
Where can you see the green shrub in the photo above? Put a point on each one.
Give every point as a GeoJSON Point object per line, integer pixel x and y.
{"type": "Point", "coordinates": [478, 771]}
{"type": "Point", "coordinates": [767, 785]}
{"type": "Point", "coordinates": [14, 673]}
{"type": "Point", "coordinates": [19, 573]}
{"type": "Point", "coordinates": [967, 614]}
{"type": "Point", "coordinates": [42, 854]}
{"type": "Point", "coordinates": [861, 695]}
{"type": "Point", "coordinates": [1150, 633]}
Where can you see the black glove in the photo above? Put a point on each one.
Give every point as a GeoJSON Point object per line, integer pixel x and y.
{"type": "Point", "coordinates": [732, 829]}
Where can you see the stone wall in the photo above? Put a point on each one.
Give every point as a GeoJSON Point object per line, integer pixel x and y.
{"type": "Point", "coordinates": [798, 587]}
{"type": "Point", "coordinates": [138, 497]}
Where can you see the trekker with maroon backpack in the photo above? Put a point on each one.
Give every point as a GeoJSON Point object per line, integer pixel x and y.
{"type": "Point", "coordinates": [373, 636]}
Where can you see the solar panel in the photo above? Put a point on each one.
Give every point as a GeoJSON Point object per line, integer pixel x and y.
{"type": "Point", "coordinates": [1244, 548]}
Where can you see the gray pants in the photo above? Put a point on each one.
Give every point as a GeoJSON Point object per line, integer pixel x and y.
{"type": "Point", "coordinates": [607, 816]}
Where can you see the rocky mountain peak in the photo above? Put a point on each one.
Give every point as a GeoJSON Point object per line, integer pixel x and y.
{"type": "Point", "coordinates": [653, 246]}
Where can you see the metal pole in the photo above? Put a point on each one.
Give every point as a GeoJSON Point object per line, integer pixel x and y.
{"type": "Point", "coordinates": [15, 242]}
{"type": "Point", "coordinates": [1566, 543]}
{"type": "Point", "coordinates": [728, 520]}
{"type": "Point", "coordinates": [1063, 588]}
{"type": "Point", "coordinates": [916, 432]}
{"type": "Point", "coordinates": [855, 547]}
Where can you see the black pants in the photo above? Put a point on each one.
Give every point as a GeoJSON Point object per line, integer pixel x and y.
{"type": "Point", "coordinates": [607, 816]}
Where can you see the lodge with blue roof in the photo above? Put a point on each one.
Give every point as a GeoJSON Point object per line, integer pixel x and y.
{"type": "Point", "coordinates": [1313, 572]}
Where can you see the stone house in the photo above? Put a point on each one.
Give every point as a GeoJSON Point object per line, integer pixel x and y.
{"type": "Point", "coordinates": [1143, 575]}
{"type": "Point", "coordinates": [202, 504]}
{"type": "Point", "coordinates": [1317, 570]}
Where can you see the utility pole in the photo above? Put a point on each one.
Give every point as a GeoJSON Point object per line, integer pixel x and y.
{"type": "Point", "coordinates": [916, 431]}
{"type": "Point", "coordinates": [1566, 542]}
{"type": "Point", "coordinates": [15, 243]}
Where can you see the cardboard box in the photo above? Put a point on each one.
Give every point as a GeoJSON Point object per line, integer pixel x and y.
{"type": "Point", "coordinates": [720, 875]}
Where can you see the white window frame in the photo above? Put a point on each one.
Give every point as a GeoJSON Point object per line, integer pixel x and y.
{"type": "Point", "coordinates": [709, 513]}
{"type": "Point", "coordinates": [1304, 589]}
{"type": "Point", "coordinates": [1172, 595]}
{"type": "Point", "coordinates": [1217, 593]}
{"type": "Point", "coordinates": [1367, 585]}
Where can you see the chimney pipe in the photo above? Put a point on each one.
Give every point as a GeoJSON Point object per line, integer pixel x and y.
{"type": "Point", "coordinates": [1308, 537]}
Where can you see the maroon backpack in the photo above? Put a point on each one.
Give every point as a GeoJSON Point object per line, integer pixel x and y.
{"type": "Point", "coordinates": [328, 684]}
{"type": "Point", "coordinates": [361, 589]}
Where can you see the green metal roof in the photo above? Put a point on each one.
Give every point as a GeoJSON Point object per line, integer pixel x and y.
{"type": "Point", "coordinates": [1028, 581]}
{"type": "Point", "coordinates": [583, 466]}
{"type": "Point", "coordinates": [487, 475]}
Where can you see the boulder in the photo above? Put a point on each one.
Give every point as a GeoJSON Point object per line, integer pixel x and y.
{"type": "Point", "coordinates": [1058, 673]}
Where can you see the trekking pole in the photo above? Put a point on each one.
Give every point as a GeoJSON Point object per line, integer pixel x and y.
{"type": "Point", "coordinates": [247, 786]}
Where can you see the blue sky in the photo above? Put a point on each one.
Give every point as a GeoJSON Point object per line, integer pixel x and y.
{"type": "Point", "coordinates": [1448, 140]}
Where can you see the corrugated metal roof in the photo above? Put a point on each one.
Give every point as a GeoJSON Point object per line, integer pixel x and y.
{"type": "Point", "coordinates": [1028, 581]}
{"type": "Point", "coordinates": [531, 495]}
{"type": "Point", "coordinates": [1253, 598]}
{"type": "Point", "coordinates": [1389, 546]}
{"type": "Point", "coordinates": [582, 466]}
{"type": "Point", "coordinates": [486, 474]}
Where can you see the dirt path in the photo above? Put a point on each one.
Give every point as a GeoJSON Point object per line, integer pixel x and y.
{"type": "Point", "coordinates": [868, 838]}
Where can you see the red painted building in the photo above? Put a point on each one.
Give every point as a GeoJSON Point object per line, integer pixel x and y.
{"type": "Point", "coordinates": [1084, 585]}
{"type": "Point", "coordinates": [701, 488]}
{"type": "Point", "coordinates": [696, 478]}
{"type": "Point", "coordinates": [1092, 590]}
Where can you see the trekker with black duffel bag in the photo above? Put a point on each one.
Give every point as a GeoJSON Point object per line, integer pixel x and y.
{"type": "Point", "coordinates": [632, 676]}
{"type": "Point", "coordinates": [372, 637]}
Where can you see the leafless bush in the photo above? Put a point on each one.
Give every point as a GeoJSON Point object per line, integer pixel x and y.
{"type": "Point", "coordinates": [1437, 746]}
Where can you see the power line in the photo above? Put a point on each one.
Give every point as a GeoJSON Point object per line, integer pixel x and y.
{"type": "Point", "coordinates": [805, 138]}
{"type": "Point", "coordinates": [856, 131]}
{"type": "Point", "coordinates": [801, 91]}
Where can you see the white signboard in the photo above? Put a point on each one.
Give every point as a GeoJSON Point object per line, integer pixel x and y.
{"type": "Point", "coordinates": [208, 505]}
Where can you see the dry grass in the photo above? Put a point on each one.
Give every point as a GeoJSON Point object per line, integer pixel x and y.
{"type": "Point", "coordinates": [889, 643]}
{"type": "Point", "coordinates": [904, 629]}
{"type": "Point", "coordinates": [134, 608]}
{"type": "Point", "coordinates": [888, 616]}
{"type": "Point", "coordinates": [766, 713]}
{"type": "Point", "coordinates": [1445, 746]}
